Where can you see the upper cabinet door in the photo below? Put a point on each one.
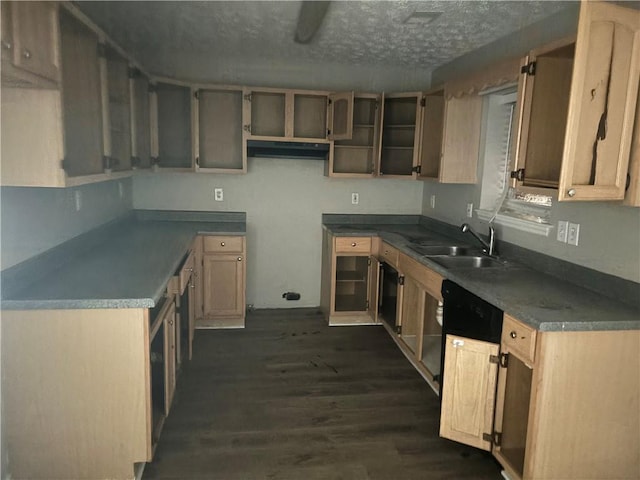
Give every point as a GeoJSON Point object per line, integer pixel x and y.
{"type": "Point", "coordinates": [35, 38]}
{"type": "Point", "coordinates": [340, 116]}
{"type": "Point", "coordinates": [602, 104]}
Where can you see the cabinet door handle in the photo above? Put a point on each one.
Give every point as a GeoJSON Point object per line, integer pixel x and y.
{"type": "Point", "coordinates": [171, 322]}
{"type": "Point", "coordinates": [189, 269]}
{"type": "Point", "coordinates": [26, 54]}
{"type": "Point", "coordinates": [239, 259]}
{"type": "Point", "coordinates": [353, 244]}
{"type": "Point", "coordinates": [222, 244]}
{"type": "Point", "coordinates": [513, 334]}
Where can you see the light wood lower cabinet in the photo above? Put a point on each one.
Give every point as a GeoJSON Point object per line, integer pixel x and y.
{"type": "Point", "coordinates": [349, 285]}
{"type": "Point", "coordinates": [567, 403]}
{"type": "Point", "coordinates": [223, 272]}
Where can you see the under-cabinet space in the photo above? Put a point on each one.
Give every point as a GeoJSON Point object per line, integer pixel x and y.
{"type": "Point", "coordinates": [118, 157]}
{"type": "Point", "coordinates": [358, 155]}
{"type": "Point", "coordinates": [220, 135]}
{"type": "Point", "coordinates": [30, 44]}
{"type": "Point", "coordinates": [401, 134]}
{"type": "Point", "coordinates": [81, 98]}
{"type": "Point", "coordinates": [140, 121]}
{"type": "Point", "coordinates": [173, 126]}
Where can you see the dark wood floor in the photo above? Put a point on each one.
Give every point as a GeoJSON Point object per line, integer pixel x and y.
{"type": "Point", "coordinates": [289, 398]}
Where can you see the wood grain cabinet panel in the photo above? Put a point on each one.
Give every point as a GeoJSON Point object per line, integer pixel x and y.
{"type": "Point", "coordinates": [223, 282]}
{"type": "Point", "coordinates": [30, 44]}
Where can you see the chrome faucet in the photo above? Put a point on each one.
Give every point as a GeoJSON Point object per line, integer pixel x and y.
{"type": "Point", "coordinates": [487, 248]}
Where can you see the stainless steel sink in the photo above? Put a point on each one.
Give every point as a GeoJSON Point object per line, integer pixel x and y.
{"type": "Point", "coordinates": [467, 262]}
{"type": "Point", "coordinates": [449, 250]}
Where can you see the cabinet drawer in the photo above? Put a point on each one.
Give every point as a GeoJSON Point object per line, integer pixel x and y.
{"type": "Point", "coordinates": [219, 244]}
{"type": "Point", "coordinates": [389, 254]}
{"type": "Point", "coordinates": [519, 337]}
{"type": "Point", "coordinates": [353, 244]}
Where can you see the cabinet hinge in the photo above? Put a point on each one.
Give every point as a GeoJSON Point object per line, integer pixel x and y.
{"type": "Point", "coordinates": [196, 95]}
{"type": "Point", "coordinates": [494, 438]}
{"type": "Point", "coordinates": [401, 280]}
{"type": "Point", "coordinates": [494, 359]}
{"type": "Point", "coordinates": [152, 88]}
{"type": "Point", "coordinates": [197, 161]}
{"type": "Point", "coordinates": [328, 132]}
{"type": "Point", "coordinates": [423, 102]}
{"type": "Point", "coordinates": [329, 101]}
{"type": "Point", "coordinates": [518, 174]}
{"type": "Point", "coordinates": [417, 169]}
{"type": "Point", "coordinates": [107, 162]}
{"type": "Point", "coordinates": [528, 69]}
{"type": "Point", "coordinates": [155, 161]}
{"type": "Point", "coordinates": [399, 329]}
{"type": "Point", "coordinates": [247, 128]}
{"type": "Point", "coordinates": [368, 261]}
{"type": "Point", "coordinates": [247, 97]}
{"type": "Point", "coordinates": [367, 304]}
{"type": "Point", "coordinates": [64, 164]}
{"type": "Point", "coordinates": [504, 360]}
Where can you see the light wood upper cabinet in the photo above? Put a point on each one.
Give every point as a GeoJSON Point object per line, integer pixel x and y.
{"type": "Point", "coordinates": [579, 106]}
{"type": "Point", "coordinates": [468, 393]}
{"type": "Point", "coordinates": [602, 103]}
{"type": "Point", "coordinates": [358, 156]}
{"type": "Point", "coordinates": [461, 139]}
{"type": "Point", "coordinates": [632, 196]}
{"type": "Point", "coordinates": [140, 120]}
{"type": "Point", "coordinates": [340, 116]}
{"type": "Point", "coordinates": [219, 145]}
{"type": "Point", "coordinates": [172, 128]}
{"type": "Point", "coordinates": [118, 154]}
{"type": "Point", "coordinates": [30, 44]}
{"type": "Point", "coordinates": [401, 134]}
{"type": "Point", "coordinates": [82, 98]}
{"type": "Point", "coordinates": [432, 132]}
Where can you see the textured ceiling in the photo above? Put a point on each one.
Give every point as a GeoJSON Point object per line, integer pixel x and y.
{"type": "Point", "coordinates": [353, 32]}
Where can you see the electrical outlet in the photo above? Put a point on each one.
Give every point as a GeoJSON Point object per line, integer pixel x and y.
{"type": "Point", "coordinates": [470, 210]}
{"type": "Point", "coordinates": [433, 201]}
{"type": "Point", "coordinates": [355, 198]}
{"type": "Point", "coordinates": [563, 231]}
{"type": "Point", "coordinates": [77, 198]}
{"type": "Point", "coordinates": [218, 196]}
{"type": "Point", "coordinates": [573, 234]}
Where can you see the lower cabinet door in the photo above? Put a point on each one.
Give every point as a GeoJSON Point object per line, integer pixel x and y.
{"type": "Point", "coordinates": [223, 285]}
{"type": "Point", "coordinates": [468, 394]}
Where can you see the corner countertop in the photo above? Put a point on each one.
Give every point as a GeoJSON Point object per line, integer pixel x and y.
{"type": "Point", "coordinates": [128, 268]}
{"type": "Point", "coordinates": [540, 300]}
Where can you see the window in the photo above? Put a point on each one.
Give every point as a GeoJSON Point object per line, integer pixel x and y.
{"type": "Point", "coordinates": [499, 201]}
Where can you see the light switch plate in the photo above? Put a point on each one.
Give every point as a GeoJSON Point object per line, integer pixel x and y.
{"type": "Point", "coordinates": [573, 234]}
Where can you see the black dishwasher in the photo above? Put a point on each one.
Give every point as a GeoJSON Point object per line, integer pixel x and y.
{"type": "Point", "coordinates": [467, 315]}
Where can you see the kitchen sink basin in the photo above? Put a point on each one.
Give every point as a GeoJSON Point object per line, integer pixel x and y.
{"type": "Point", "coordinates": [449, 250]}
{"type": "Point", "coordinates": [467, 261]}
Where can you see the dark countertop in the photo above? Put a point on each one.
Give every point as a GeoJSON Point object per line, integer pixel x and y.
{"type": "Point", "coordinates": [540, 300]}
{"type": "Point", "coordinates": [128, 267]}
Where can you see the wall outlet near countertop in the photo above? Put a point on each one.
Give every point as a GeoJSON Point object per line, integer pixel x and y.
{"type": "Point", "coordinates": [355, 198]}
{"type": "Point", "coordinates": [432, 202]}
{"type": "Point", "coordinates": [563, 230]}
{"type": "Point", "coordinates": [218, 195]}
{"type": "Point", "coordinates": [470, 210]}
{"type": "Point", "coordinates": [573, 234]}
